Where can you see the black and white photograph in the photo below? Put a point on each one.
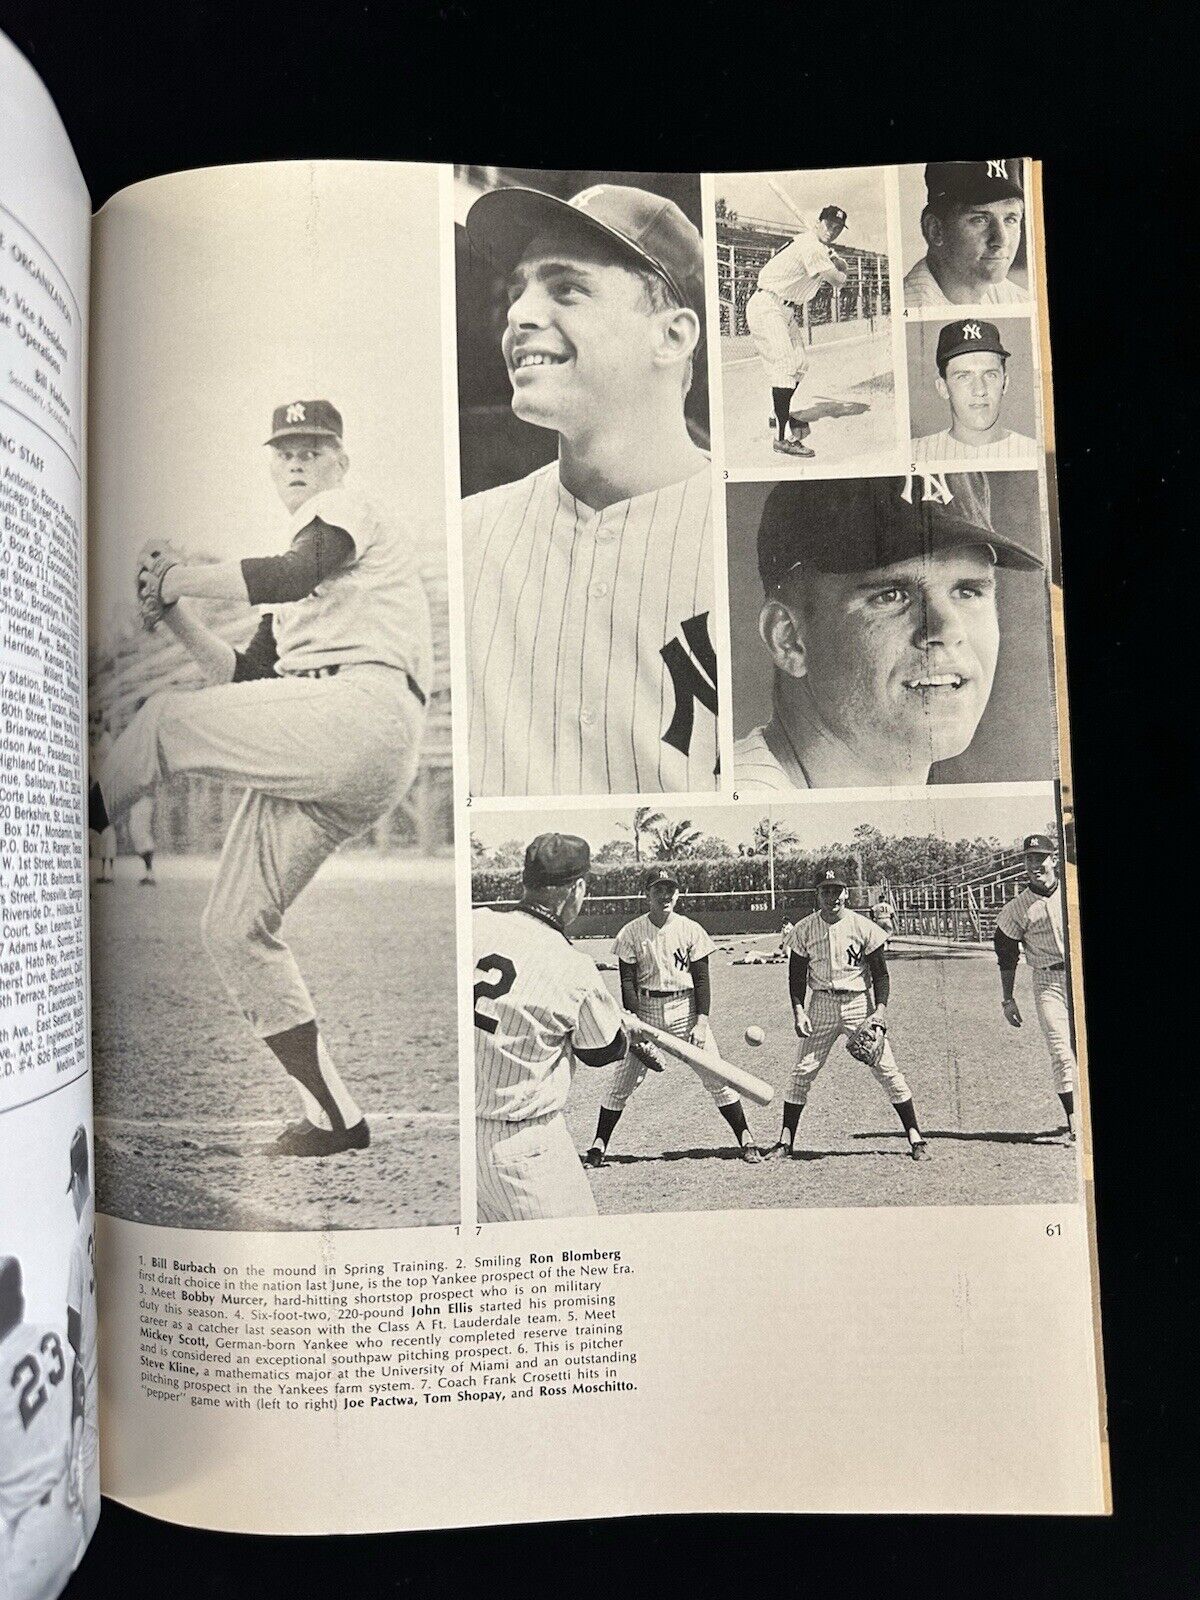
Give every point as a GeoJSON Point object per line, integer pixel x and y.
{"type": "Point", "coordinates": [587, 518]}
{"type": "Point", "coordinates": [804, 282]}
{"type": "Point", "coordinates": [271, 796]}
{"type": "Point", "coordinates": [49, 1397]}
{"type": "Point", "coordinates": [962, 226]}
{"type": "Point", "coordinates": [972, 392]}
{"type": "Point", "coordinates": [796, 1005]}
{"type": "Point", "coordinates": [889, 632]}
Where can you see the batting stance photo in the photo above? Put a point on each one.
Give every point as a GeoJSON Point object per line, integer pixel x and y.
{"type": "Point", "coordinates": [775, 319]}
{"type": "Point", "coordinates": [541, 1007]}
{"type": "Point", "coordinates": [318, 718]}
{"type": "Point", "coordinates": [1033, 921]}
{"type": "Point", "coordinates": [589, 581]}
{"type": "Point", "coordinates": [665, 980]}
{"type": "Point", "coordinates": [839, 987]}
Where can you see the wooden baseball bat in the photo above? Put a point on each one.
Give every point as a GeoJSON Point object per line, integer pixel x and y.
{"type": "Point", "coordinates": [756, 1089]}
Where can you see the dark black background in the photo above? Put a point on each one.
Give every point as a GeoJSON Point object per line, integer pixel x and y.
{"type": "Point", "coordinates": [1107, 99]}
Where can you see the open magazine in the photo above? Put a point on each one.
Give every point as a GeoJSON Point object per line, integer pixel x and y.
{"type": "Point", "coordinates": [536, 890]}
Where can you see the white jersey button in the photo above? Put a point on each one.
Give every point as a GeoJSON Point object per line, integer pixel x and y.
{"type": "Point", "coordinates": [599, 590]}
{"type": "Point", "coordinates": [587, 718]}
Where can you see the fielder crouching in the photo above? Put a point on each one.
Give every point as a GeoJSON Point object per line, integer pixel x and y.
{"type": "Point", "coordinates": [319, 720]}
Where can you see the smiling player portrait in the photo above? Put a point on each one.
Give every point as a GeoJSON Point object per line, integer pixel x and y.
{"type": "Point", "coordinates": [587, 522]}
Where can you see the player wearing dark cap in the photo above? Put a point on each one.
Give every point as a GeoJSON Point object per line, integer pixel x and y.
{"type": "Point", "coordinates": [880, 618]}
{"type": "Point", "coordinates": [665, 980]}
{"type": "Point", "coordinates": [589, 582]}
{"type": "Point", "coordinates": [1033, 921]}
{"type": "Point", "coordinates": [972, 366]}
{"type": "Point", "coordinates": [541, 1006]}
{"type": "Point", "coordinates": [972, 224]}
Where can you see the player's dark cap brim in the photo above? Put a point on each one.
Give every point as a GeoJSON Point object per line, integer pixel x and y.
{"type": "Point", "coordinates": [503, 223]}
{"type": "Point", "coordinates": [863, 524]}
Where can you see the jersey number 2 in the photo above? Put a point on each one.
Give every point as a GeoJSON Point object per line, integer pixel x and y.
{"type": "Point", "coordinates": [492, 989]}
{"type": "Point", "coordinates": [27, 1378]}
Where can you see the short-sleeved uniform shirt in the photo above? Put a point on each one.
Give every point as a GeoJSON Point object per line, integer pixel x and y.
{"type": "Point", "coordinates": [921, 288]}
{"type": "Point", "coordinates": [81, 1286]}
{"type": "Point", "coordinates": [536, 999]}
{"type": "Point", "coordinates": [373, 611]}
{"type": "Point", "coordinates": [35, 1415]}
{"type": "Point", "coordinates": [837, 951]}
{"type": "Point", "coordinates": [763, 763]}
{"type": "Point", "coordinates": [663, 956]}
{"type": "Point", "coordinates": [590, 643]}
{"type": "Point", "coordinates": [799, 269]}
{"type": "Point", "coordinates": [1036, 922]}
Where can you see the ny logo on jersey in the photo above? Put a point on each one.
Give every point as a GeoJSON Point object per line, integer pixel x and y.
{"type": "Point", "coordinates": [998, 169]}
{"type": "Point", "coordinates": [681, 960]}
{"type": "Point", "coordinates": [692, 664]}
{"type": "Point", "coordinates": [854, 955]}
{"type": "Point", "coordinates": [935, 488]}
{"type": "Point", "coordinates": [295, 412]}
{"type": "Point", "coordinates": [972, 330]}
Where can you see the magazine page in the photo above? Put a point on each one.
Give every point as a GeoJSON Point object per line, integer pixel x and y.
{"type": "Point", "coordinates": [586, 957]}
{"type": "Point", "coordinates": [49, 1455]}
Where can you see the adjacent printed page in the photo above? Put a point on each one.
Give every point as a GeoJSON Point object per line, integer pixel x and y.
{"type": "Point", "coordinates": [49, 1453]}
{"type": "Point", "coordinates": [582, 979]}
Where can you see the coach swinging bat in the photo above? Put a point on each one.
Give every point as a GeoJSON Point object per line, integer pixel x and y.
{"type": "Point", "coordinates": [738, 1078]}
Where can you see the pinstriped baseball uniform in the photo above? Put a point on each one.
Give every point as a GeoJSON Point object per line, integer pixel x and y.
{"type": "Point", "coordinates": [81, 1297]}
{"type": "Point", "coordinates": [921, 288]}
{"type": "Point", "coordinates": [536, 997]}
{"type": "Point", "coordinates": [39, 1531]}
{"type": "Point", "coordinates": [591, 657]}
{"type": "Point", "coordinates": [1035, 921]}
{"type": "Point", "coordinates": [944, 446]}
{"type": "Point", "coordinates": [789, 279]}
{"type": "Point", "coordinates": [763, 763]}
{"type": "Point", "coordinates": [839, 1000]}
{"type": "Point", "coordinates": [666, 994]}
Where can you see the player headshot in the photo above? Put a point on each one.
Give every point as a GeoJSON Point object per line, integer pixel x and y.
{"type": "Point", "coordinates": [541, 1009]}
{"type": "Point", "coordinates": [774, 315]}
{"type": "Point", "coordinates": [972, 378]}
{"type": "Point", "coordinates": [880, 618]}
{"type": "Point", "coordinates": [665, 980]}
{"type": "Point", "coordinates": [1033, 921]}
{"type": "Point", "coordinates": [589, 582]}
{"type": "Point", "coordinates": [839, 987]}
{"type": "Point", "coordinates": [318, 719]}
{"type": "Point", "coordinates": [972, 224]}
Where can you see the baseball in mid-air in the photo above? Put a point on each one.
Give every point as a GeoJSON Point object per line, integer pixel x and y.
{"type": "Point", "coordinates": [754, 1036]}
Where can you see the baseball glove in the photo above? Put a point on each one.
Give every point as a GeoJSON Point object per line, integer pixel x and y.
{"type": "Point", "coordinates": [866, 1043]}
{"type": "Point", "coordinates": [155, 559]}
{"type": "Point", "coordinates": [649, 1055]}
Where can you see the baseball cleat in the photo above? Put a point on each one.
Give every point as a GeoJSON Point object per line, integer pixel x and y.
{"type": "Point", "coordinates": [595, 1158]}
{"type": "Point", "coordinates": [306, 1139]}
{"type": "Point", "coordinates": [780, 1150]}
{"type": "Point", "coordinates": [918, 1150]}
{"type": "Point", "coordinates": [751, 1154]}
{"type": "Point", "coordinates": [793, 447]}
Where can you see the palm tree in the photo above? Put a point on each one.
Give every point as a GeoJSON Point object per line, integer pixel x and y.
{"type": "Point", "coordinates": [770, 836]}
{"type": "Point", "coordinates": [644, 819]}
{"type": "Point", "coordinates": [672, 839]}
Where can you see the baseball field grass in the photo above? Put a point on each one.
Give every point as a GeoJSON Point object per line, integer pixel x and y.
{"type": "Point", "coordinates": [187, 1100]}
{"type": "Point", "coordinates": [983, 1093]}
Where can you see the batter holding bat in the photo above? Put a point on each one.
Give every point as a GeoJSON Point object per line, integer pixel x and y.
{"type": "Point", "coordinates": [838, 955]}
{"type": "Point", "coordinates": [318, 720]}
{"type": "Point", "coordinates": [665, 981]}
{"type": "Point", "coordinates": [774, 313]}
